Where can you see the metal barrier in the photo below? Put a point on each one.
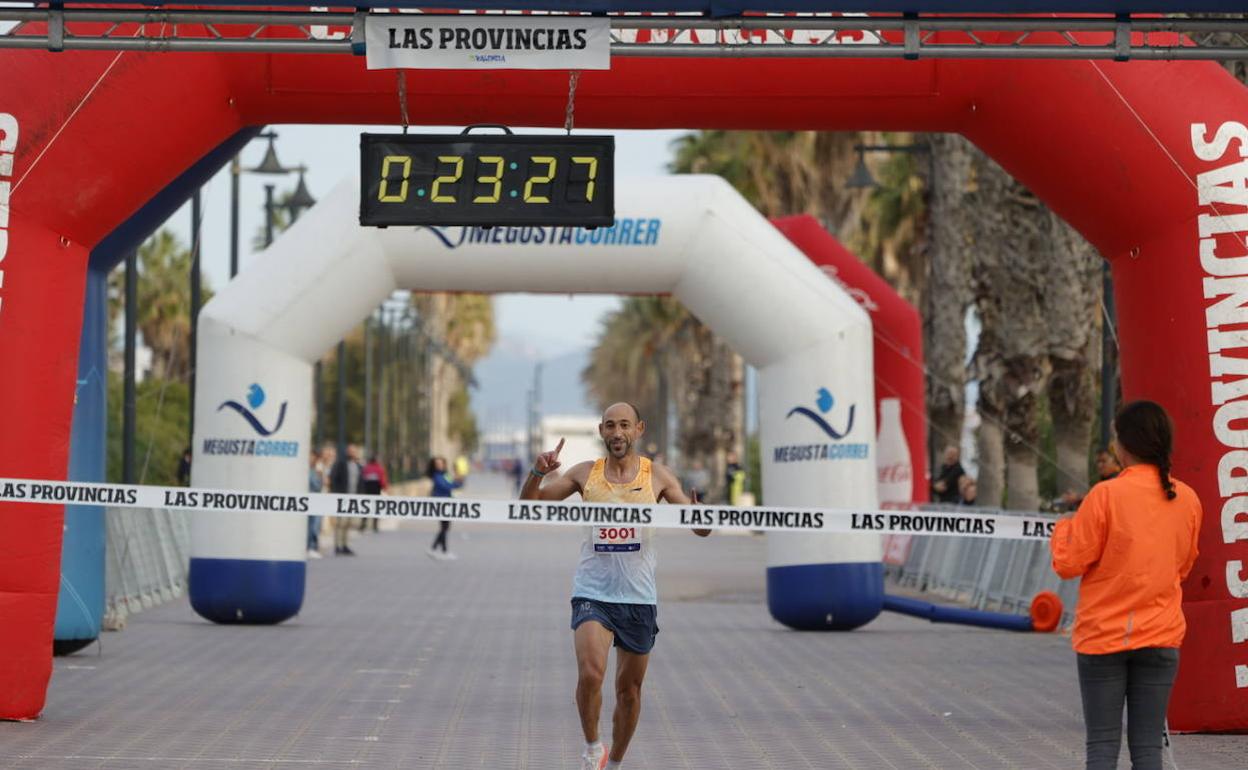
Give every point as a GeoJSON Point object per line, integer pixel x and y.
{"type": "Point", "coordinates": [997, 575]}
{"type": "Point", "coordinates": [148, 551]}
{"type": "Point", "coordinates": [146, 560]}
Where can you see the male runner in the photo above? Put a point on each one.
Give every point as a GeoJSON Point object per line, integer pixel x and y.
{"type": "Point", "coordinates": [613, 594]}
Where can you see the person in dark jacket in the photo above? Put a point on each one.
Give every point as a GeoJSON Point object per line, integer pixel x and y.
{"type": "Point", "coordinates": [344, 479]}
{"type": "Point", "coordinates": [945, 485]}
{"type": "Point", "coordinates": [443, 486]}
{"type": "Point", "coordinates": [373, 481]}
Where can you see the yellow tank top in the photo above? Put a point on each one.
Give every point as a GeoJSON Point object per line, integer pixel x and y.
{"type": "Point", "coordinates": [618, 562]}
{"type": "Point", "coordinates": [599, 490]}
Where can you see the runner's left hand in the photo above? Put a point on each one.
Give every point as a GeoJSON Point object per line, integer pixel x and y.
{"type": "Point", "coordinates": [693, 496]}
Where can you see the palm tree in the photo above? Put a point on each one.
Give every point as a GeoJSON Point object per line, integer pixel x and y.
{"type": "Point", "coordinates": [638, 349]}
{"type": "Point", "coordinates": [1033, 282]}
{"type": "Point", "coordinates": [654, 353]}
{"type": "Point", "coordinates": [164, 303]}
{"type": "Point", "coordinates": [464, 323]}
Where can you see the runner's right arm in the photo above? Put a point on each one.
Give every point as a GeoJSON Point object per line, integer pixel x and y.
{"type": "Point", "coordinates": [559, 488]}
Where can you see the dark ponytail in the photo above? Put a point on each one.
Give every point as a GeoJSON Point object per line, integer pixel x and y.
{"type": "Point", "coordinates": [1144, 429]}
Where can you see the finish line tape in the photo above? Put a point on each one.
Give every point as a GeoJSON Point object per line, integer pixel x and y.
{"type": "Point", "coordinates": [775, 519]}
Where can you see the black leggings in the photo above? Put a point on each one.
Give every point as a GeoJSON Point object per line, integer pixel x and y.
{"type": "Point", "coordinates": [440, 540]}
{"type": "Point", "coordinates": [1140, 678]}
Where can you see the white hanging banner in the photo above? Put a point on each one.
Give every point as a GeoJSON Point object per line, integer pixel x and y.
{"type": "Point", "coordinates": [463, 42]}
{"type": "Point", "coordinates": [565, 512]}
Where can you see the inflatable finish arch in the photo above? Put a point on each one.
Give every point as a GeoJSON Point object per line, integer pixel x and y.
{"type": "Point", "coordinates": [1143, 158]}
{"type": "Point", "coordinates": [691, 236]}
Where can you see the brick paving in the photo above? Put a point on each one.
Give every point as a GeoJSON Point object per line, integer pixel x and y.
{"type": "Point", "coordinates": [399, 661]}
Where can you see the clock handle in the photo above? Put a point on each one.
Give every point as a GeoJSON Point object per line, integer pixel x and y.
{"type": "Point", "coordinates": [468, 129]}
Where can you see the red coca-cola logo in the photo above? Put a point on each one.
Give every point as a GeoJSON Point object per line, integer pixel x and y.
{"type": "Point", "coordinates": [897, 473]}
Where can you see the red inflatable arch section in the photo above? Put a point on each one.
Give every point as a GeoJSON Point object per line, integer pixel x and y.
{"type": "Point", "coordinates": [1143, 158]}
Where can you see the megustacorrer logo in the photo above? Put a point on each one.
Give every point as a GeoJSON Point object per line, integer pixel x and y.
{"type": "Point", "coordinates": [825, 402]}
{"type": "Point", "coordinates": [255, 399]}
{"type": "Point", "coordinates": [835, 449]}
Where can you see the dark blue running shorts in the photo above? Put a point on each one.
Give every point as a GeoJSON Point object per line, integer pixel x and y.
{"type": "Point", "coordinates": [634, 625]}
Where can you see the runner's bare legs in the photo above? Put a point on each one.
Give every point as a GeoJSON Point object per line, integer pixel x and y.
{"type": "Point", "coordinates": [630, 670]}
{"type": "Point", "coordinates": [592, 641]}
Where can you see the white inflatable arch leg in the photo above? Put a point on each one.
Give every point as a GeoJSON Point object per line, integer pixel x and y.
{"type": "Point", "coordinates": [691, 236]}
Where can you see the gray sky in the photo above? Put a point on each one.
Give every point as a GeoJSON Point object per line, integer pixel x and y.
{"type": "Point", "coordinates": [553, 325]}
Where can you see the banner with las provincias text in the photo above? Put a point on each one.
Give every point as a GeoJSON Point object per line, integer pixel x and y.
{"type": "Point", "coordinates": [543, 512]}
{"type": "Point", "coordinates": [461, 42]}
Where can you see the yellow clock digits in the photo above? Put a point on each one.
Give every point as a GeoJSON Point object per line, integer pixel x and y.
{"type": "Point", "coordinates": [593, 173]}
{"type": "Point", "coordinates": [383, 193]}
{"type": "Point", "coordinates": [496, 179]}
{"type": "Point", "coordinates": [458, 160]}
{"type": "Point", "coordinates": [551, 164]}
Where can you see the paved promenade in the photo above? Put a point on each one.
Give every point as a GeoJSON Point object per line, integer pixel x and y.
{"type": "Point", "coordinates": [399, 661]}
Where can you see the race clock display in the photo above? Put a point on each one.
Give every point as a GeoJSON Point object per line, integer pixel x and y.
{"type": "Point", "coordinates": [462, 179]}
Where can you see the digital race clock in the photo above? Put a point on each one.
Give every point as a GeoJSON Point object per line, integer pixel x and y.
{"type": "Point", "coordinates": [460, 179]}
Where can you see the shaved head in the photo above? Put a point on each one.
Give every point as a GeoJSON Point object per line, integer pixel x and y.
{"type": "Point", "coordinates": [623, 405]}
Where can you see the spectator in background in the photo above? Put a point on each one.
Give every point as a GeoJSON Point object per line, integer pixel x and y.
{"type": "Point", "coordinates": [1107, 466]}
{"type": "Point", "coordinates": [372, 482]}
{"type": "Point", "coordinates": [184, 468]}
{"type": "Point", "coordinates": [968, 490]}
{"type": "Point", "coordinates": [945, 485]}
{"type": "Point", "coordinates": [517, 473]}
{"type": "Point", "coordinates": [697, 479]}
{"type": "Point", "coordinates": [734, 479]}
{"type": "Point", "coordinates": [344, 479]}
{"type": "Point", "coordinates": [329, 456]}
{"type": "Point", "coordinates": [443, 486]}
{"type": "Point", "coordinates": [316, 483]}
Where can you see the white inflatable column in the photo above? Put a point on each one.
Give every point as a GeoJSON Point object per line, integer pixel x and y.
{"type": "Point", "coordinates": [259, 338]}
{"type": "Point", "coordinates": [251, 433]}
{"type": "Point", "coordinates": [817, 430]}
{"type": "Point", "coordinates": [812, 345]}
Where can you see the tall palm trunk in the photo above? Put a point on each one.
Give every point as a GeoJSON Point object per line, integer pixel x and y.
{"type": "Point", "coordinates": [946, 294]}
{"type": "Point", "coordinates": [1074, 324]}
{"type": "Point", "coordinates": [1010, 264]}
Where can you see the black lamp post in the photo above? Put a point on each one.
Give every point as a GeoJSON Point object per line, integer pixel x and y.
{"type": "Point", "coordinates": [862, 179]}
{"type": "Point", "coordinates": [269, 166]}
{"type": "Point", "coordinates": [300, 200]}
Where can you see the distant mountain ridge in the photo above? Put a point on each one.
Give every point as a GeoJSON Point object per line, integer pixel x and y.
{"type": "Point", "coordinates": [505, 377]}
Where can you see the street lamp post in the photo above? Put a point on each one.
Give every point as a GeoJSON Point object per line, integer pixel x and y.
{"type": "Point", "coordinates": [128, 398]}
{"type": "Point", "coordinates": [862, 179]}
{"type": "Point", "coordinates": [268, 215]}
{"type": "Point", "coordinates": [269, 166]}
{"type": "Point", "coordinates": [300, 200]}
{"type": "Point", "coordinates": [195, 302]}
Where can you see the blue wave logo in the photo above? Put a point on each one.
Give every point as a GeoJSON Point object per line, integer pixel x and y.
{"type": "Point", "coordinates": [440, 234]}
{"type": "Point", "coordinates": [824, 402]}
{"type": "Point", "coordinates": [255, 399]}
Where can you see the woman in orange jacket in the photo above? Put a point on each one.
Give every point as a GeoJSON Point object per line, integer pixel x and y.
{"type": "Point", "coordinates": [1133, 541]}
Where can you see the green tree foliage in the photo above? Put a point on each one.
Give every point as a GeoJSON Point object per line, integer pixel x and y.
{"type": "Point", "coordinates": [162, 399]}
{"type": "Point", "coordinates": [162, 417]}
{"type": "Point", "coordinates": [463, 423]}
{"type": "Point", "coordinates": [164, 303]}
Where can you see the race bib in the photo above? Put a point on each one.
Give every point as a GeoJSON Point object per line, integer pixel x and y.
{"type": "Point", "coordinates": [617, 539]}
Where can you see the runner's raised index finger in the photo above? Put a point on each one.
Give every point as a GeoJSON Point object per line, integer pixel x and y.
{"type": "Point", "coordinates": [559, 448]}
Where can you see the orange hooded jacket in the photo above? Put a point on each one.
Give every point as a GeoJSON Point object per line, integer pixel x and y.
{"type": "Point", "coordinates": [1133, 548]}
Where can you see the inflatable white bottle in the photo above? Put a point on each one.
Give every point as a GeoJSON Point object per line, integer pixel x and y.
{"type": "Point", "coordinates": [895, 484]}
{"type": "Point", "coordinates": [895, 480]}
